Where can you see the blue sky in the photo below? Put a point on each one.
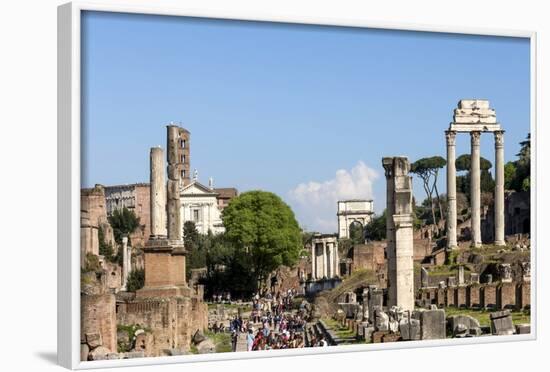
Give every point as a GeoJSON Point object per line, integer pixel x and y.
{"type": "Point", "coordinates": [304, 111]}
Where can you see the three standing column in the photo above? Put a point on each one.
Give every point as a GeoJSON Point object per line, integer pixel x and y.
{"type": "Point", "coordinates": [475, 189]}
{"type": "Point", "coordinates": [451, 189]}
{"type": "Point", "coordinates": [499, 188]}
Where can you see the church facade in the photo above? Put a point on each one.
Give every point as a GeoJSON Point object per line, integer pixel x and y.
{"type": "Point", "coordinates": [200, 204]}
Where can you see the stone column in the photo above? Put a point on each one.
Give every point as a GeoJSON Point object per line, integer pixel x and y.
{"type": "Point", "coordinates": [125, 267]}
{"type": "Point", "coordinates": [157, 193]}
{"type": "Point", "coordinates": [324, 267]}
{"type": "Point", "coordinates": [313, 259]}
{"type": "Point", "coordinates": [174, 204]}
{"type": "Point", "coordinates": [336, 260]}
{"type": "Point", "coordinates": [329, 260]}
{"type": "Point", "coordinates": [451, 189]}
{"type": "Point", "coordinates": [403, 234]}
{"type": "Point", "coordinates": [499, 188]}
{"type": "Point", "coordinates": [387, 163]}
{"type": "Point", "coordinates": [475, 189]}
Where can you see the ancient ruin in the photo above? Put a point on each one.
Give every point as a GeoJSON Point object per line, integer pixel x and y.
{"type": "Point", "coordinates": [399, 227]}
{"type": "Point", "coordinates": [475, 117]}
{"type": "Point", "coordinates": [411, 283]}
{"type": "Point", "coordinates": [356, 211]}
{"type": "Point", "coordinates": [324, 253]}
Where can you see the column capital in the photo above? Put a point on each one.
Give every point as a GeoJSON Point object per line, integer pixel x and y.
{"type": "Point", "coordinates": [387, 163]}
{"type": "Point", "coordinates": [499, 138]}
{"type": "Point", "coordinates": [450, 135]}
{"type": "Point", "coordinates": [475, 137]}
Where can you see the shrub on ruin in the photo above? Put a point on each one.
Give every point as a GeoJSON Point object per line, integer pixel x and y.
{"type": "Point", "coordinates": [124, 222]}
{"type": "Point", "coordinates": [91, 263]}
{"type": "Point", "coordinates": [136, 280]}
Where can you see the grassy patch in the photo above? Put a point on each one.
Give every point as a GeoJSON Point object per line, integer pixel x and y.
{"type": "Point", "coordinates": [482, 316]}
{"type": "Point", "coordinates": [356, 279]}
{"type": "Point", "coordinates": [338, 329]}
{"type": "Point", "coordinates": [221, 340]}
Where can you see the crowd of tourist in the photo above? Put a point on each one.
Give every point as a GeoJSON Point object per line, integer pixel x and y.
{"type": "Point", "coordinates": [275, 323]}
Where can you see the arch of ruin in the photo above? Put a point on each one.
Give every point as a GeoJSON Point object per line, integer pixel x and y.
{"type": "Point", "coordinates": [354, 210]}
{"type": "Point", "coordinates": [474, 116]}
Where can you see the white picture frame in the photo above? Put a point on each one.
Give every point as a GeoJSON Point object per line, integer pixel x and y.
{"type": "Point", "coordinates": [69, 116]}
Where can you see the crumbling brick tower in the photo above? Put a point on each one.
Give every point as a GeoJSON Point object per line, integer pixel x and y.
{"type": "Point", "coordinates": [182, 139]}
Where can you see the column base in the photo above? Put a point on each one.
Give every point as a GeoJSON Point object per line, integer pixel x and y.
{"type": "Point", "coordinates": [476, 245]}
{"type": "Point", "coordinates": [500, 243]}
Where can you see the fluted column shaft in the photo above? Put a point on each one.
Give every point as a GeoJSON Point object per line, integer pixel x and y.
{"type": "Point", "coordinates": [451, 189]}
{"type": "Point", "coordinates": [499, 188]}
{"type": "Point", "coordinates": [475, 189]}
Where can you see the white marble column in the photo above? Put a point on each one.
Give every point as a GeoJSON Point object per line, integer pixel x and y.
{"type": "Point", "coordinates": [125, 267]}
{"type": "Point", "coordinates": [157, 193]}
{"type": "Point", "coordinates": [451, 189]}
{"type": "Point", "coordinates": [313, 259]}
{"type": "Point", "coordinates": [475, 189]}
{"type": "Point", "coordinates": [324, 273]}
{"type": "Point", "coordinates": [329, 260]}
{"type": "Point", "coordinates": [499, 188]}
{"type": "Point", "coordinates": [336, 261]}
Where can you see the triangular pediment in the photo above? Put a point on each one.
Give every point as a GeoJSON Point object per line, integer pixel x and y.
{"type": "Point", "coordinates": [196, 188]}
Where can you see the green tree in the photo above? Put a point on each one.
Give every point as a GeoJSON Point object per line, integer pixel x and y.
{"type": "Point", "coordinates": [136, 280]}
{"type": "Point", "coordinates": [428, 170]}
{"type": "Point", "coordinates": [463, 163]}
{"type": "Point", "coordinates": [190, 235]}
{"type": "Point", "coordinates": [376, 228]}
{"type": "Point", "coordinates": [124, 222]}
{"type": "Point", "coordinates": [487, 184]}
{"type": "Point", "coordinates": [523, 166]}
{"type": "Point", "coordinates": [264, 232]}
{"type": "Point", "coordinates": [357, 233]}
{"type": "Point", "coordinates": [509, 175]}
{"type": "Point", "coordinates": [106, 250]}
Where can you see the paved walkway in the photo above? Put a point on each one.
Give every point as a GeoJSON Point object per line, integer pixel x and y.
{"type": "Point", "coordinates": [241, 342]}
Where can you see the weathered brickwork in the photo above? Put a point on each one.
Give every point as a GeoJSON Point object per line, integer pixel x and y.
{"type": "Point", "coordinates": [489, 296]}
{"type": "Point", "coordinates": [98, 317]}
{"type": "Point", "coordinates": [506, 297]}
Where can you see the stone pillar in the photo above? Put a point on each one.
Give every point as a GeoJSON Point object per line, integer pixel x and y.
{"type": "Point", "coordinates": [461, 275]}
{"type": "Point", "coordinates": [403, 224]}
{"type": "Point", "coordinates": [475, 189]}
{"type": "Point", "coordinates": [313, 259]}
{"type": "Point", "coordinates": [157, 193]}
{"type": "Point", "coordinates": [324, 267]}
{"type": "Point", "coordinates": [175, 228]}
{"type": "Point", "coordinates": [400, 267]}
{"type": "Point", "coordinates": [387, 163]}
{"type": "Point", "coordinates": [125, 267]}
{"type": "Point", "coordinates": [451, 189]}
{"type": "Point", "coordinates": [336, 260]}
{"type": "Point", "coordinates": [499, 188]}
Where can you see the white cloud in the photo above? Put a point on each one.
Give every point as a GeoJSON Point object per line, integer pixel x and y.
{"type": "Point", "coordinates": [314, 202]}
